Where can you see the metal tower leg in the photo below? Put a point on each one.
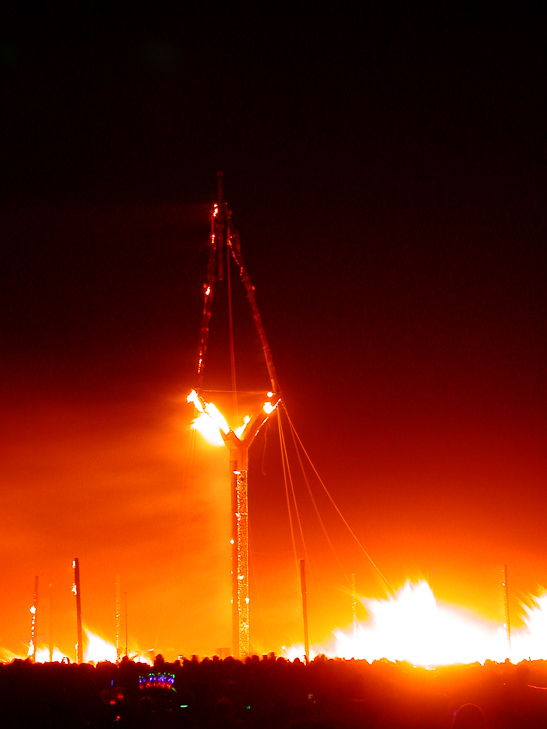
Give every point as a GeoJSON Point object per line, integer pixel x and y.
{"type": "Point", "coordinates": [240, 562]}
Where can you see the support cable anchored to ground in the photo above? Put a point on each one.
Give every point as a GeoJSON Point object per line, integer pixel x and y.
{"type": "Point", "coordinates": [287, 477]}
{"type": "Point", "coordinates": [348, 527]}
{"type": "Point", "coordinates": [225, 245]}
{"type": "Point", "coordinates": [225, 242]}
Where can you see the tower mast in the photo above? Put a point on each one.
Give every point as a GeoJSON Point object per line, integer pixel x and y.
{"type": "Point", "coordinates": [225, 238]}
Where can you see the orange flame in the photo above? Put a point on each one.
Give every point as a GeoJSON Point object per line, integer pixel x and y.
{"type": "Point", "coordinates": [97, 649]}
{"type": "Point", "coordinates": [413, 626]}
{"type": "Point", "coordinates": [211, 423]}
{"type": "Point", "coordinates": [208, 429]}
{"type": "Point", "coordinates": [410, 626]}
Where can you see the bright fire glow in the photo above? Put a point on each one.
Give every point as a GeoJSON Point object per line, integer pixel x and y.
{"type": "Point", "coordinates": [208, 429]}
{"type": "Point", "coordinates": [97, 649]}
{"type": "Point", "coordinates": [410, 626]}
{"type": "Point", "coordinates": [413, 626]}
{"type": "Point", "coordinates": [214, 413]}
{"type": "Point", "coordinates": [208, 412]}
{"type": "Point", "coordinates": [531, 640]}
{"type": "Point", "coordinates": [210, 422]}
{"type": "Point", "coordinates": [42, 655]}
{"type": "Point", "coordinates": [239, 431]}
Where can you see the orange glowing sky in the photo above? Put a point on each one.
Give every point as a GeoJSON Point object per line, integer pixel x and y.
{"type": "Point", "coordinates": [390, 200]}
{"type": "Point", "coordinates": [100, 463]}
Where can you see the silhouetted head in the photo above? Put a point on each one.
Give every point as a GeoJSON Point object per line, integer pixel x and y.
{"type": "Point", "coordinates": [469, 716]}
{"type": "Point", "coordinates": [223, 708]}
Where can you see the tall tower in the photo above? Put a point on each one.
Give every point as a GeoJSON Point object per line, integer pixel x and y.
{"type": "Point", "coordinates": [224, 243]}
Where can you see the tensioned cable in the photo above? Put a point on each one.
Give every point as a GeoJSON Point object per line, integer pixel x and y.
{"type": "Point", "coordinates": [300, 528]}
{"type": "Point", "coordinates": [231, 328]}
{"type": "Point", "coordinates": [286, 468]}
{"type": "Point", "coordinates": [373, 563]}
{"type": "Point", "coordinates": [321, 522]}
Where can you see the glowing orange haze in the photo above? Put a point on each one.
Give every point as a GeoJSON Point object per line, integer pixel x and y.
{"type": "Point", "coordinates": [411, 626]}
{"type": "Point", "coordinates": [131, 491]}
{"type": "Point", "coordinates": [112, 486]}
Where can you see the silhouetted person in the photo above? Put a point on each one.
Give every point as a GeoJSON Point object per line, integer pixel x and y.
{"type": "Point", "coordinates": [469, 716]}
{"type": "Point", "coordinates": [223, 717]}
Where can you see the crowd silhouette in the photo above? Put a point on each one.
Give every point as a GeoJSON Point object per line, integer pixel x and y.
{"type": "Point", "coordinates": [272, 692]}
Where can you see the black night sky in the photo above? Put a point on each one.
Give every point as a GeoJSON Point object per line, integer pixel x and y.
{"type": "Point", "coordinates": [386, 172]}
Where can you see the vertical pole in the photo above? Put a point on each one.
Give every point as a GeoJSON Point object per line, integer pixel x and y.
{"type": "Point", "coordinates": [243, 563]}
{"type": "Point", "coordinates": [305, 608]}
{"type": "Point", "coordinates": [118, 648]}
{"type": "Point", "coordinates": [506, 606]}
{"type": "Point", "coordinates": [354, 605]}
{"type": "Point", "coordinates": [240, 559]}
{"type": "Point", "coordinates": [50, 625]}
{"type": "Point", "coordinates": [125, 604]}
{"type": "Point", "coordinates": [76, 590]}
{"type": "Point", "coordinates": [34, 611]}
{"type": "Point", "coordinates": [234, 542]}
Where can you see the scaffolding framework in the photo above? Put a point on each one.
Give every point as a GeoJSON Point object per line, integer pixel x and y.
{"type": "Point", "coordinates": [240, 560]}
{"type": "Point", "coordinates": [225, 243]}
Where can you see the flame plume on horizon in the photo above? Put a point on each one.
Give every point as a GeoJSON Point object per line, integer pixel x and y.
{"type": "Point", "coordinates": [413, 626]}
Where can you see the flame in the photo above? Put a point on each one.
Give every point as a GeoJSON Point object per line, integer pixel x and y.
{"type": "Point", "coordinates": [211, 423]}
{"type": "Point", "coordinates": [42, 655]}
{"type": "Point", "coordinates": [214, 413]}
{"type": "Point", "coordinates": [98, 649]}
{"type": "Point", "coordinates": [239, 431]}
{"type": "Point", "coordinates": [413, 626]}
{"type": "Point", "coordinates": [208, 407]}
{"type": "Point", "coordinates": [531, 640]}
{"type": "Point", "coordinates": [6, 656]}
{"type": "Point", "coordinates": [208, 429]}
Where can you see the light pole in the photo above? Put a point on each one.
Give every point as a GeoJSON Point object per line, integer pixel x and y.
{"type": "Point", "coordinates": [76, 591]}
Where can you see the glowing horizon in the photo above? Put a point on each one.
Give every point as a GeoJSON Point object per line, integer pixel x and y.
{"type": "Point", "coordinates": [410, 626]}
